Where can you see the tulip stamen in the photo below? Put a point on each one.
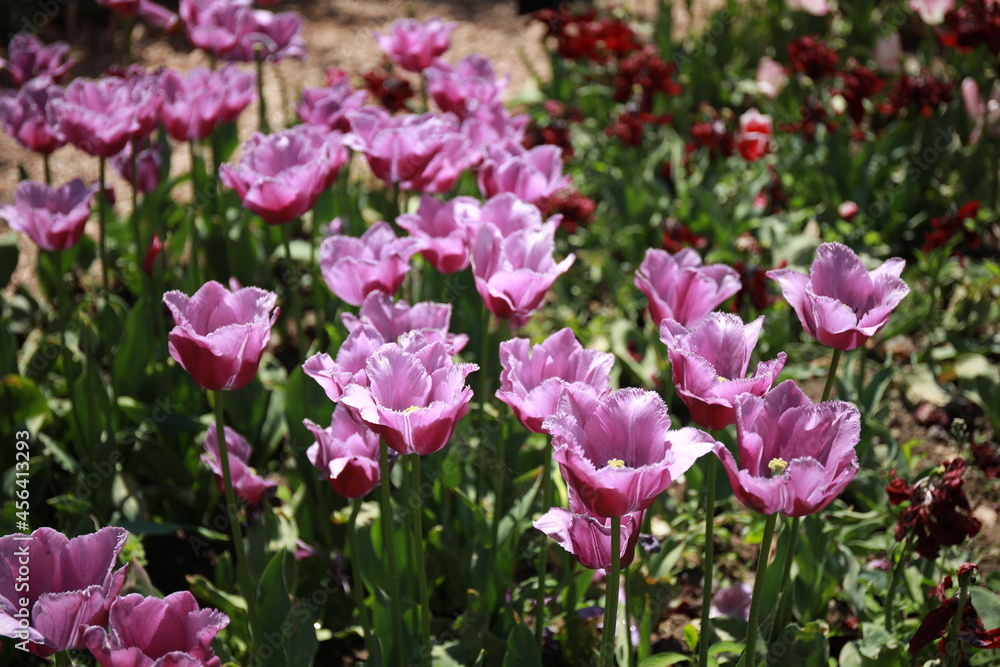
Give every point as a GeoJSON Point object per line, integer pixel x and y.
{"type": "Point", "coordinates": [412, 408]}
{"type": "Point", "coordinates": [777, 466]}
{"type": "Point", "coordinates": [721, 379]}
{"type": "Point", "coordinates": [616, 463]}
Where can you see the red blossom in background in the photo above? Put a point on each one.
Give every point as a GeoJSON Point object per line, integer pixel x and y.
{"type": "Point", "coordinates": [975, 22]}
{"type": "Point", "coordinates": [952, 225]}
{"type": "Point", "coordinates": [678, 235]}
{"type": "Point", "coordinates": [986, 455]}
{"type": "Point", "coordinates": [939, 513]}
{"type": "Point", "coordinates": [630, 125]}
{"type": "Point", "coordinates": [860, 83]}
{"type": "Point", "coordinates": [713, 135]}
{"type": "Point", "coordinates": [391, 90]}
{"type": "Point", "coordinates": [812, 114]}
{"type": "Point", "coordinates": [585, 35]}
{"type": "Point", "coordinates": [936, 623]}
{"type": "Point", "coordinates": [812, 57]}
{"type": "Point", "coordinates": [641, 75]}
{"type": "Point", "coordinates": [924, 92]}
{"type": "Point", "coordinates": [754, 283]}
{"type": "Point", "coordinates": [574, 207]}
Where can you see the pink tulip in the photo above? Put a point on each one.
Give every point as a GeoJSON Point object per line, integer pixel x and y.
{"type": "Point", "coordinates": [24, 116]}
{"type": "Point", "coordinates": [619, 456]}
{"type": "Point", "coordinates": [355, 267]}
{"type": "Point", "coordinates": [413, 45]}
{"type": "Point", "coordinates": [982, 113]}
{"type": "Point", "coordinates": [54, 218]}
{"type": "Point", "coordinates": [732, 601]}
{"type": "Point", "coordinates": [391, 319]}
{"type": "Point", "coordinates": [444, 229]}
{"type": "Point", "coordinates": [469, 89]}
{"type": "Point", "coordinates": [282, 175]}
{"type": "Point", "coordinates": [753, 140]}
{"type": "Point", "coordinates": [814, 7]}
{"type": "Point", "coordinates": [346, 453]}
{"type": "Point", "coordinates": [196, 102]}
{"type": "Point", "coordinates": [840, 303]}
{"type": "Point", "coordinates": [247, 485]}
{"type": "Point", "coordinates": [148, 165]}
{"type": "Point", "coordinates": [268, 36]}
{"type": "Point", "coordinates": [532, 175]}
{"type": "Point", "coordinates": [71, 585]}
{"type": "Point", "coordinates": [772, 77]}
{"type": "Point", "coordinates": [28, 57]}
{"type": "Point", "coordinates": [709, 365]}
{"type": "Point", "coordinates": [588, 537]}
{"type": "Point", "coordinates": [216, 25]}
{"type": "Point", "coordinates": [414, 397]}
{"type": "Point", "coordinates": [887, 52]}
{"type": "Point", "coordinates": [220, 335]}
{"type": "Point", "coordinates": [534, 377]}
{"type": "Point", "coordinates": [795, 457]}
{"type": "Point", "coordinates": [155, 14]}
{"type": "Point", "coordinates": [681, 288]}
{"type": "Point", "coordinates": [328, 107]}
{"type": "Point", "coordinates": [510, 214]}
{"type": "Point", "coordinates": [931, 11]}
{"type": "Point", "coordinates": [334, 375]}
{"type": "Point", "coordinates": [157, 632]}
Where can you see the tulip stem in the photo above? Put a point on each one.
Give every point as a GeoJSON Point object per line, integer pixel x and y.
{"type": "Point", "coordinates": [101, 218]}
{"type": "Point", "coordinates": [831, 376]}
{"type": "Point", "coordinates": [543, 554]}
{"type": "Point", "coordinates": [784, 608]}
{"type": "Point", "coordinates": [421, 566]}
{"type": "Point", "coordinates": [706, 588]}
{"type": "Point", "coordinates": [953, 648]}
{"type": "Point", "coordinates": [195, 197]}
{"type": "Point", "coordinates": [890, 594]}
{"type": "Point", "coordinates": [389, 546]}
{"type": "Point", "coordinates": [750, 654]}
{"type": "Point", "coordinates": [261, 104]}
{"type": "Point", "coordinates": [611, 597]}
{"type": "Point", "coordinates": [249, 591]}
{"type": "Point", "coordinates": [292, 275]}
{"type": "Point", "coordinates": [48, 170]}
{"type": "Point", "coordinates": [358, 582]}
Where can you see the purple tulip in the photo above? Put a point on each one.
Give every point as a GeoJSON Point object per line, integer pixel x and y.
{"type": "Point", "coordinates": [328, 107]}
{"type": "Point", "coordinates": [534, 378]}
{"type": "Point", "coordinates": [247, 485]}
{"type": "Point", "coordinates": [196, 102]}
{"type": "Point", "coordinates": [148, 164]}
{"type": "Point", "coordinates": [220, 335]}
{"type": "Point", "coordinates": [71, 585]}
{"type": "Point", "coordinates": [28, 57]}
{"type": "Point", "coordinates": [100, 117]}
{"type": "Point", "coordinates": [796, 456]}
{"type": "Point", "coordinates": [282, 175]}
{"type": "Point", "coordinates": [588, 537]}
{"type": "Point", "coordinates": [619, 456]}
{"type": "Point", "coordinates": [840, 303]}
{"type": "Point", "coordinates": [414, 397]}
{"type": "Point", "coordinates": [732, 601]}
{"type": "Point", "coordinates": [469, 89]}
{"type": "Point", "coordinates": [216, 25]}
{"type": "Point", "coordinates": [334, 375]}
{"type": "Point", "coordinates": [54, 218]}
{"type": "Point", "coordinates": [24, 116]}
{"type": "Point", "coordinates": [152, 13]}
{"type": "Point", "coordinates": [392, 319]}
{"type": "Point", "coordinates": [508, 213]}
{"type": "Point", "coordinates": [444, 228]}
{"type": "Point", "coordinates": [426, 152]}
{"type": "Point", "coordinates": [709, 365]}
{"type": "Point", "coordinates": [533, 175]}
{"type": "Point", "coordinates": [413, 45]}
{"type": "Point", "coordinates": [355, 267]}
{"type": "Point", "coordinates": [268, 36]}
{"type": "Point", "coordinates": [514, 272]}
{"type": "Point", "coordinates": [157, 632]}
{"type": "Point", "coordinates": [680, 287]}
{"type": "Point", "coordinates": [346, 452]}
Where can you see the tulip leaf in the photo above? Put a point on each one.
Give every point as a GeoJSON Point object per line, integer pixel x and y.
{"type": "Point", "coordinates": [135, 349]}
{"type": "Point", "coordinates": [522, 651]}
{"type": "Point", "coordinates": [8, 257]}
{"type": "Point", "coordinates": [665, 660]}
{"type": "Point", "coordinates": [21, 402]}
{"type": "Point", "coordinates": [274, 604]}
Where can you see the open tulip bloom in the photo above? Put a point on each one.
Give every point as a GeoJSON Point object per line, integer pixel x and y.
{"type": "Point", "coordinates": [795, 456]}
{"type": "Point", "coordinates": [840, 303]}
{"type": "Point", "coordinates": [54, 218]}
{"type": "Point", "coordinates": [24, 116]}
{"type": "Point", "coordinates": [72, 583]}
{"type": "Point", "coordinates": [392, 319]}
{"type": "Point", "coordinates": [353, 268]}
{"type": "Point", "coordinates": [680, 287]}
{"type": "Point", "coordinates": [328, 107]}
{"type": "Point", "coordinates": [28, 57]}
{"type": "Point", "coordinates": [247, 485]}
{"type": "Point", "coordinates": [470, 88]}
{"type": "Point", "coordinates": [196, 102]}
{"type": "Point", "coordinates": [444, 229]}
{"type": "Point", "coordinates": [709, 365]}
{"type": "Point", "coordinates": [413, 45]}
{"type": "Point", "coordinates": [335, 374]}
{"type": "Point", "coordinates": [345, 453]}
{"type": "Point", "coordinates": [533, 175]}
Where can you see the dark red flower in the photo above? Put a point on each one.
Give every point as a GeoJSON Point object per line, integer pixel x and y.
{"type": "Point", "coordinates": [554, 130]}
{"type": "Point", "coordinates": [629, 126]}
{"type": "Point", "coordinates": [586, 35]}
{"type": "Point", "coordinates": [811, 115]}
{"type": "Point", "coordinates": [754, 287]}
{"type": "Point", "coordinates": [953, 225]}
{"type": "Point", "coordinates": [924, 92]}
{"type": "Point", "coordinates": [574, 207]}
{"type": "Point", "coordinates": [677, 236]}
{"type": "Point", "coordinates": [391, 90]}
{"type": "Point", "coordinates": [860, 83]}
{"type": "Point", "coordinates": [152, 252]}
{"type": "Point", "coordinates": [712, 135]}
{"type": "Point", "coordinates": [641, 75]}
{"type": "Point", "coordinates": [939, 513]}
{"type": "Point", "coordinates": [986, 455]}
{"type": "Point", "coordinates": [975, 22]}
{"type": "Point", "coordinates": [936, 623]}
{"type": "Point", "coordinates": [811, 56]}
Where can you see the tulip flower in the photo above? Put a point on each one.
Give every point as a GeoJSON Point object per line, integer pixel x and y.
{"type": "Point", "coordinates": [709, 365]}
{"type": "Point", "coordinates": [414, 397]}
{"type": "Point", "coordinates": [54, 218]}
{"type": "Point", "coordinates": [28, 57]}
{"type": "Point", "coordinates": [282, 175]}
{"type": "Point", "coordinates": [71, 586]}
{"type": "Point", "coordinates": [469, 89]}
{"type": "Point", "coordinates": [509, 214]}
{"type": "Point", "coordinates": [532, 175]}
{"type": "Point", "coordinates": [795, 457]}
{"type": "Point", "coordinates": [887, 51]}
{"type": "Point", "coordinates": [148, 164]}
{"type": "Point", "coordinates": [220, 335]}
{"type": "Point", "coordinates": [392, 319]}
{"type": "Point", "coordinates": [840, 303]}
{"type": "Point", "coordinates": [514, 272]}
{"type": "Point", "coordinates": [346, 453]}
{"type": "Point", "coordinates": [216, 25]}
{"type": "Point", "coordinates": [100, 117]}
{"type": "Point", "coordinates": [772, 77]}
{"type": "Point", "coordinates": [268, 36]}
{"type": "Point", "coordinates": [23, 115]}
{"type": "Point", "coordinates": [155, 14]}
{"type": "Point", "coordinates": [334, 375]}
{"type": "Point", "coordinates": [355, 267]}
{"type": "Point", "coordinates": [931, 11]}
{"type": "Point", "coordinates": [732, 601]}
{"type": "Point", "coordinates": [982, 113]}
{"type": "Point", "coordinates": [814, 7]}
{"type": "Point", "coordinates": [534, 378]}
{"type": "Point", "coordinates": [444, 229]}
{"type": "Point", "coordinates": [247, 485]}
{"type": "Point", "coordinates": [157, 632]}
{"type": "Point", "coordinates": [753, 140]}
{"type": "Point", "coordinates": [681, 288]}
{"type": "Point", "coordinates": [328, 107]}
{"type": "Point", "coordinates": [587, 537]}
{"type": "Point", "coordinates": [619, 456]}
{"type": "Point", "coordinates": [413, 45]}
{"type": "Point", "coordinates": [196, 102]}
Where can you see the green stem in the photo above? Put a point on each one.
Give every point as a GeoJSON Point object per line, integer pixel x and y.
{"type": "Point", "coordinates": [293, 292]}
{"type": "Point", "coordinates": [484, 372]}
{"type": "Point", "coordinates": [249, 591]}
{"type": "Point", "coordinates": [954, 646]}
{"type": "Point", "coordinates": [890, 594]}
{"type": "Point", "coordinates": [195, 234]}
{"type": "Point", "coordinates": [358, 583]}
{"type": "Point", "coordinates": [48, 170]}
{"type": "Point", "coordinates": [261, 104]}
{"type": "Point", "coordinates": [750, 654]}
{"type": "Point", "coordinates": [543, 559]}
{"type": "Point", "coordinates": [831, 375]}
{"type": "Point", "coordinates": [102, 220]}
{"type": "Point", "coordinates": [389, 545]}
{"type": "Point", "coordinates": [784, 608]}
{"type": "Point", "coordinates": [862, 358]}
{"type": "Point", "coordinates": [421, 566]}
{"type": "Point", "coordinates": [611, 598]}
{"type": "Point", "coordinates": [706, 593]}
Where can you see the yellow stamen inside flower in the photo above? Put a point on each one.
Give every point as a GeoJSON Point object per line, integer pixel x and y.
{"type": "Point", "coordinates": [410, 409]}
{"type": "Point", "coordinates": [777, 466]}
{"type": "Point", "coordinates": [720, 379]}
{"type": "Point", "coordinates": [616, 463]}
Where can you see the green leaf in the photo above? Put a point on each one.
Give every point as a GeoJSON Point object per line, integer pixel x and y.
{"type": "Point", "coordinates": [691, 637]}
{"type": "Point", "coordinates": [273, 600]}
{"type": "Point", "coordinates": [665, 660]}
{"type": "Point", "coordinates": [20, 400]}
{"type": "Point", "coordinates": [8, 257]}
{"type": "Point", "coordinates": [522, 651]}
{"type": "Point", "coordinates": [135, 350]}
